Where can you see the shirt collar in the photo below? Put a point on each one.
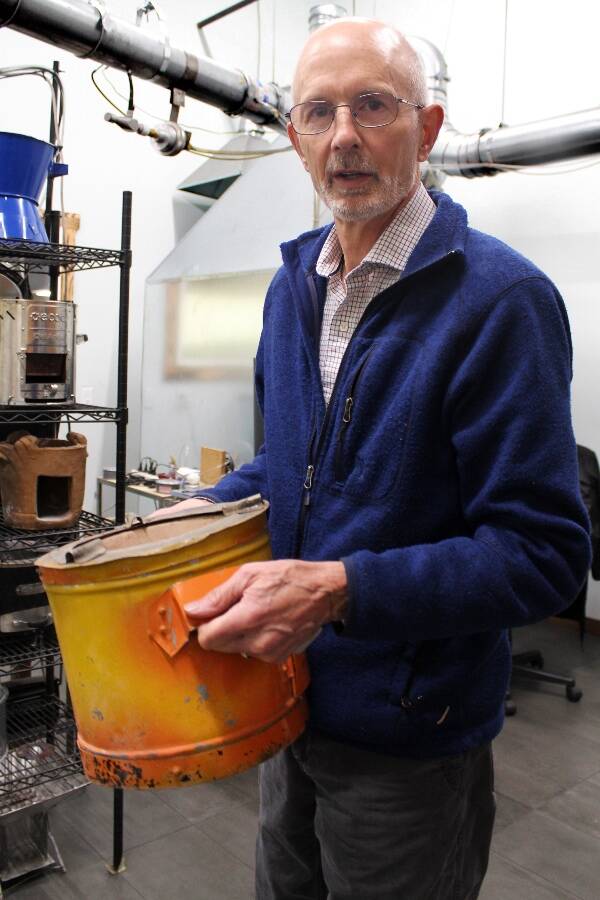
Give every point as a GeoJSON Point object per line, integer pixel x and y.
{"type": "Point", "coordinates": [393, 246]}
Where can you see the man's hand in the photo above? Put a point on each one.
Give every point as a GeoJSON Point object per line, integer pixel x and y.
{"type": "Point", "coordinates": [192, 503]}
{"type": "Point", "coordinates": [270, 609]}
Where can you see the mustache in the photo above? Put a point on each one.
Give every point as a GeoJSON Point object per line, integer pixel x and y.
{"type": "Point", "coordinates": [348, 161]}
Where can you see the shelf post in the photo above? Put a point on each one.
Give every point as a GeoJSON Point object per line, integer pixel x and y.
{"type": "Point", "coordinates": [125, 267]}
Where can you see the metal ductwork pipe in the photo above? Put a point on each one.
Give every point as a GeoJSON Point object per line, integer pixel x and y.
{"type": "Point", "coordinates": [470, 155]}
{"type": "Point", "coordinates": [90, 32]}
{"type": "Point", "coordinates": [551, 140]}
{"type": "Point", "coordinates": [323, 14]}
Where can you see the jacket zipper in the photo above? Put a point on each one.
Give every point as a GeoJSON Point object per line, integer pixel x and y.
{"type": "Point", "coordinates": [339, 449]}
{"type": "Point", "coordinates": [311, 468]}
{"type": "Point", "coordinates": [347, 417]}
{"type": "Point", "coordinates": [313, 452]}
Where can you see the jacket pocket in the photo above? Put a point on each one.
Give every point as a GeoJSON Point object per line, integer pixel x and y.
{"type": "Point", "coordinates": [427, 708]}
{"type": "Point", "coordinates": [346, 419]}
{"type": "Point", "coordinates": [403, 675]}
{"type": "Point", "coordinates": [375, 419]}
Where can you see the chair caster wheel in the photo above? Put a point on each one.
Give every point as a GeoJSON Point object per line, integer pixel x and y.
{"type": "Point", "coordinates": [574, 694]}
{"type": "Point", "coordinates": [510, 708]}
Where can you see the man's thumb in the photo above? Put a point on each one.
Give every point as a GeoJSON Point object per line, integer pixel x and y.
{"type": "Point", "coordinates": [215, 603]}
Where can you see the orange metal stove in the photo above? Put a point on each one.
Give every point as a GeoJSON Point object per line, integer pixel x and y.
{"type": "Point", "coordinates": [152, 708]}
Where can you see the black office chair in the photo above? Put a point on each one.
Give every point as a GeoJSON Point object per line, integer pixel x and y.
{"type": "Point", "coordinates": [530, 664]}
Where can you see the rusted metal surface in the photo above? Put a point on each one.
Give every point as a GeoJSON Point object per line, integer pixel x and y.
{"type": "Point", "coordinates": [152, 708]}
{"type": "Point", "coordinates": [199, 765]}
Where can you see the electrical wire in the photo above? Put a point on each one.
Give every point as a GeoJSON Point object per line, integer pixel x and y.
{"type": "Point", "coordinates": [146, 112]}
{"type": "Point", "coordinates": [273, 41]}
{"type": "Point", "coordinates": [448, 29]}
{"type": "Point", "coordinates": [100, 91]}
{"type": "Point", "coordinates": [58, 116]}
{"type": "Point", "coordinates": [235, 155]}
{"type": "Point", "coordinates": [57, 100]}
{"type": "Point", "coordinates": [226, 155]}
{"type": "Point", "coordinates": [258, 41]}
{"type": "Point", "coordinates": [43, 72]}
{"type": "Point", "coordinates": [240, 155]}
{"type": "Point", "coordinates": [504, 59]}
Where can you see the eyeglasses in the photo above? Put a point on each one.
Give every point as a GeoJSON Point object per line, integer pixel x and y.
{"type": "Point", "coordinates": [368, 110]}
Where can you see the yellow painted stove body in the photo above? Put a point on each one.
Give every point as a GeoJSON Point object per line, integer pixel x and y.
{"type": "Point", "coordinates": [152, 708]}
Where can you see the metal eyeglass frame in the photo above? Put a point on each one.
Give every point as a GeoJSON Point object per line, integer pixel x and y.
{"type": "Point", "coordinates": [288, 115]}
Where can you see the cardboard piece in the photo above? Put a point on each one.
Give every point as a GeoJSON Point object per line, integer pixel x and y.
{"type": "Point", "coordinates": [213, 465]}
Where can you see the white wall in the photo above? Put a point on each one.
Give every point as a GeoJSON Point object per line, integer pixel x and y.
{"type": "Point", "coordinates": [104, 161]}
{"type": "Point", "coordinates": [551, 218]}
{"type": "Point", "coordinates": [550, 69]}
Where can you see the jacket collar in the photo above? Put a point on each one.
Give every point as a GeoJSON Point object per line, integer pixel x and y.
{"type": "Point", "coordinates": [445, 236]}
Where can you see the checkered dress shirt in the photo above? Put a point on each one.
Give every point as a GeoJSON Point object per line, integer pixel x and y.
{"type": "Point", "coordinates": [382, 267]}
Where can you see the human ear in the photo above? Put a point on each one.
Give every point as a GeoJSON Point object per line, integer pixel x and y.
{"type": "Point", "coordinates": [296, 145]}
{"type": "Point", "coordinates": [431, 122]}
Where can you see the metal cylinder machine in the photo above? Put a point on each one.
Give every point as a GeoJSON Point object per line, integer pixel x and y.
{"type": "Point", "coordinates": [37, 332]}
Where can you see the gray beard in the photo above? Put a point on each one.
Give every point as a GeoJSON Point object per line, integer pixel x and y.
{"type": "Point", "coordinates": [389, 193]}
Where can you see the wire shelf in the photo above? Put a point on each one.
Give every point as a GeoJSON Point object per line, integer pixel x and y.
{"type": "Point", "coordinates": [24, 652]}
{"type": "Point", "coordinates": [37, 256]}
{"type": "Point", "coordinates": [43, 761]}
{"type": "Point", "coordinates": [48, 414]}
{"type": "Point", "coordinates": [19, 547]}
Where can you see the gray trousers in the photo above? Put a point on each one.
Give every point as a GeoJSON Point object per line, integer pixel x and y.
{"type": "Point", "coordinates": [342, 823]}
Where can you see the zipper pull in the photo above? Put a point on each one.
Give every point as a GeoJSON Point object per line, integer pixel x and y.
{"type": "Point", "coordinates": [308, 484]}
{"type": "Point", "coordinates": [347, 410]}
{"type": "Point", "coordinates": [309, 477]}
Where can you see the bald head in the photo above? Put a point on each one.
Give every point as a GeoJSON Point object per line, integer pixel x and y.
{"type": "Point", "coordinates": [338, 43]}
{"type": "Point", "coordinates": [360, 121]}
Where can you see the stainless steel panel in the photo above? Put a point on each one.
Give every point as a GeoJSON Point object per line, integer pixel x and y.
{"type": "Point", "coordinates": [37, 360]}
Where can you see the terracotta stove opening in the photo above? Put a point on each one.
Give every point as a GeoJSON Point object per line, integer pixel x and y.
{"type": "Point", "coordinates": [53, 496]}
{"type": "Point", "coordinates": [44, 367]}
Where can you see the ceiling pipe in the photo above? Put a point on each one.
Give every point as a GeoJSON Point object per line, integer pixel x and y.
{"type": "Point", "coordinates": [323, 13]}
{"type": "Point", "coordinates": [89, 31]}
{"type": "Point", "coordinates": [484, 152]}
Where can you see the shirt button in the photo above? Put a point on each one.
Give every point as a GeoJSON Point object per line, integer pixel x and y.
{"type": "Point", "coordinates": [343, 327]}
{"type": "Point", "coordinates": [371, 276]}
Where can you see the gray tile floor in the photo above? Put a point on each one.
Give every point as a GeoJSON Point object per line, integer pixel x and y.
{"type": "Point", "coordinates": [198, 842]}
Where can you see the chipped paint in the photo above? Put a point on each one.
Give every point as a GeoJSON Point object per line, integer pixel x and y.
{"type": "Point", "coordinates": [97, 714]}
{"type": "Point", "coordinates": [247, 711]}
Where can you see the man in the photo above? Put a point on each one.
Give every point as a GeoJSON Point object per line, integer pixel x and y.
{"type": "Point", "coordinates": [421, 469]}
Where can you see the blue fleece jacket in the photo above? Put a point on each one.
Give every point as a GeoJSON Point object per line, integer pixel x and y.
{"type": "Point", "coordinates": [443, 473]}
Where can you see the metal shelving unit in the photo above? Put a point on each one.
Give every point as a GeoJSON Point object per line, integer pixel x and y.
{"type": "Point", "coordinates": [26, 257]}
{"type": "Point", "coordinates": [43, 763]}
{"type": "Point", "coordinates": [20, 548]}
{"type": "Point", "coordinates": [48, 415]}
{"type": "Point", "coordinates": [42, 767]}
{"type": "Point", "coordinates": [34, 256]}
{"type": "Point", "coordinates": [42, 752]}
{"type": "Point", "coordinates": [21, 652]}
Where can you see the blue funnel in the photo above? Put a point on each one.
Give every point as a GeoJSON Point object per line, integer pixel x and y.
{"type": "Point", "coordinates": [25, 164]}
